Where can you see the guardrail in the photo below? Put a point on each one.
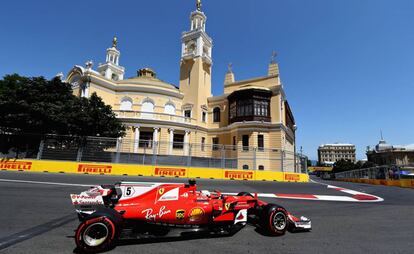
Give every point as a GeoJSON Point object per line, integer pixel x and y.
{"type": "Point", "coordinates": [133, 114]}
{"type": "Point", "coordinates": [390, 175]}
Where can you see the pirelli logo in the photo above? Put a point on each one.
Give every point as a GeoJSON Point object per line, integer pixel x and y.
{"type": "Point", "coordinates": [292, 177]}
{"type": "Point", "coordinates": [16, 165]}
{"type": "Point", "coordinates": [170, 172]}
{"type": "Point", "coordinates": [94, 169]}
{"type": "Point", "coordinates": [230, 174]}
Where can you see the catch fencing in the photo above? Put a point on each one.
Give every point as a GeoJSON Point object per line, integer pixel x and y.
{"type": "Point", "coordinates": [387, 172]}
{"type": "Point", "coordinates": [149, 152]}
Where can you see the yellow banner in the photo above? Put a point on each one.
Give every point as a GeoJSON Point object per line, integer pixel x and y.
{"type": "Point", "coordinates": [148, 170]}
{"type": "Point", "coordinates": [326, 169]}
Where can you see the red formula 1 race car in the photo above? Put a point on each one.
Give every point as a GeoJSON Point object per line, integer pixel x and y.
{"type": "Point", "coordinates": [144, 210]}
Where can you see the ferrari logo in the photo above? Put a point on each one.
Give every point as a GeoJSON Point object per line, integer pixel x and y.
{"type": "Point", "coordinates": [227, 206]}
{"type": "Point", "coordinates": [161, 191]}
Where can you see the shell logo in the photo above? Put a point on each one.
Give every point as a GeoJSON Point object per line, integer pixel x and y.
{"type": "Point", "coordinates": [196, 214]}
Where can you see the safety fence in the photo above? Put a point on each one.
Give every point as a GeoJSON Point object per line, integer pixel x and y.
{"type": "Point", "coordinates": [390, 175]}
{"type": "Point", "coordinates": [150, 152]}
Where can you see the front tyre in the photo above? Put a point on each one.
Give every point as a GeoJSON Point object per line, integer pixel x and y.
{"type": "Point", "coordinates": [96, 235]}
{"type": "Point", "coordinates": [274, 220]}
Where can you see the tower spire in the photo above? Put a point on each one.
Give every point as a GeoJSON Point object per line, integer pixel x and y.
{"type": "Point", "coordinates": [273, 69]}
{"type": "Point", "coordinates": [114, 42]}
{"type": "Point", "coordinates": [198, 5]}
{"type": "Point", "coordinates": [273, 58]}
{"type": "Point", "coordinates": [111, 68]}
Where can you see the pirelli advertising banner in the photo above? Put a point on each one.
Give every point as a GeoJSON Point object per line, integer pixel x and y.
{"type": "Point", "coordinates": [144, 170]}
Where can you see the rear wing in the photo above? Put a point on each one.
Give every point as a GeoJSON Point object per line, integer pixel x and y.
{"type": "Point", "coordinates": [88, 201]}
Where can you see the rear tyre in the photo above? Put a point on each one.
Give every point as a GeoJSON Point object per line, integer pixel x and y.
{"type": "Point", "coordinates": [274, 220]}
{"type": "Point", "coordinates": [96, 235]}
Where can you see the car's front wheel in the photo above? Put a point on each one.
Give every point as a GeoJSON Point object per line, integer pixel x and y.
{"type": "Point", "coordinates": [274, 220]}
{"type": "Point", "coordinates": [96, 235]}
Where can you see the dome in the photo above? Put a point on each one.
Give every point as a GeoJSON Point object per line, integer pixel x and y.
{"type": "Point", "coordinates": [382, 145]}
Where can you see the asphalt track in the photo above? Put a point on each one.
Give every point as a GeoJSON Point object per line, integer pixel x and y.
{"type": "Point", "coordinates": [39, 218]}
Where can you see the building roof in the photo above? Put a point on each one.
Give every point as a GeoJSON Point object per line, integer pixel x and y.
{"type": "Point", "coordinates": [337, 144]}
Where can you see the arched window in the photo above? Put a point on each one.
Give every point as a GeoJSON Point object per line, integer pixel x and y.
{"type": "Point", "coordinates": [169, 108]}
{"type": "Point", "coordinates": [126, 104]}
{"type": "Point", "coordinates": [147, 109]}
{"type": "Point", "coordinates": [245, 167]}
{"type": "Point", "coordinates": [261, 167]}
{"type": "Point", "coordinates": [216, 114]}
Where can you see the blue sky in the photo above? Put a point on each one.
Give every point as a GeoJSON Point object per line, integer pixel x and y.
{"type": "Point", "coordinates": [347, 65]}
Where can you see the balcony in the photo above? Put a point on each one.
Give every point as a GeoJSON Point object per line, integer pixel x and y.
{"type": "Point", "coordinates": [189, 55]}
{"type": "Point", "coordinates": [129, 114]}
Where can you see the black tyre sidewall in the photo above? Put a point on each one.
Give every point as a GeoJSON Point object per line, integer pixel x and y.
{"type": "Point", "coordinates": [107, 244]}
{"type": "Point", "coordinates": [267, 219]}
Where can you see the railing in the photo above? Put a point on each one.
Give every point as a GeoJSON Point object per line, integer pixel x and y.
{"type": "Point", "coordinates": [149, 152]}
{"type": "Point", "coordinates": [388, 172]}
{"type": "Point", "coordinates": [153, 115]}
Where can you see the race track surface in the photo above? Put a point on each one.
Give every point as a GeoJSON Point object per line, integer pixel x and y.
{"type": "Point", "coordinates": [39, 218]}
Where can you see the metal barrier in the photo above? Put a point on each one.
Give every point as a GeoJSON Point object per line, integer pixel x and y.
{"type": "Point", "coordinates": [387, 172]}
{"type": "Point", "coordinates": [149, 152]}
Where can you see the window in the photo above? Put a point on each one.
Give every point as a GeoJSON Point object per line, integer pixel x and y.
{"type": "Point", "coordinates": [169, 108]}
{"type": "Point", "coordinates": [249, 105]}
{"type": "Point", "coordinates": [233, 110]}
{"type": "Point", "coordinates": [187, 113]}
{"type": "Point", "coordinates": [245, 142]}
{"type": "Point", "coordinates": [203, 116]}
{"type": "Point", "coordinates": [147, 109]}
{"type": "Point", "coordinates": [126, 104]}
{"type": "Point", "coordinates": [178, 142]}
{"type": "Point", "coordinates": [114, 77]}
{"type": "Point", "coordinates": [245, 167]}
{"type": "Point", "coordinates": [216, 115]}
{"type": "Point", "coordinates": [260, 142]}
{"type": "Point", "coordinates": [234, 143]}
{"type": "Point", "coordinates": [261, 167]}
{"type": "Point", "coordinates": [145, 139]}
{"type": "Point", "coordinates": [203, 143]}
{"type": "Point", "coordinates": [215, 143]}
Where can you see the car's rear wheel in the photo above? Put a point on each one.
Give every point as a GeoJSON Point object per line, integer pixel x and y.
{"type": "Point", "coordinates": [274, 220]}
{"type": "Point", "coordinates": [96, 235]}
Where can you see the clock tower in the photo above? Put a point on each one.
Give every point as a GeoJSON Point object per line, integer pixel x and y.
{"type": "Point", "coordinates": [195, 66]}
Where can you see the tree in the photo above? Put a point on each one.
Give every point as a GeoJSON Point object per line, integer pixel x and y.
{"type": "Point", "coordinates": [39, 106]}
{"type": "Point", "coordinates": [343, 165]}
{"type": "Point", "coordinates": [91, 117]}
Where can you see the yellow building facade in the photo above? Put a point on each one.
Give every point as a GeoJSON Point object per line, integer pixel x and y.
{"type": "Point", "coordinates": [251, 124]}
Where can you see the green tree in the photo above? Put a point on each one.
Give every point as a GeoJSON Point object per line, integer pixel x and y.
{"type": "Point", "coordinates": [343, 165]}
{"type": "Point", "coordinates": [39, 106]}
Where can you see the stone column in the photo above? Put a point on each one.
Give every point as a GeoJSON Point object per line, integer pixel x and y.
{"type": "Point", "coordinates": [136, 139]}
{"type": "Point", "coordinates": [171, 140]}
{"type": "Point", "coordinates": [155, 139]}
{"type": "Point", "coordinates": [186, 142]}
